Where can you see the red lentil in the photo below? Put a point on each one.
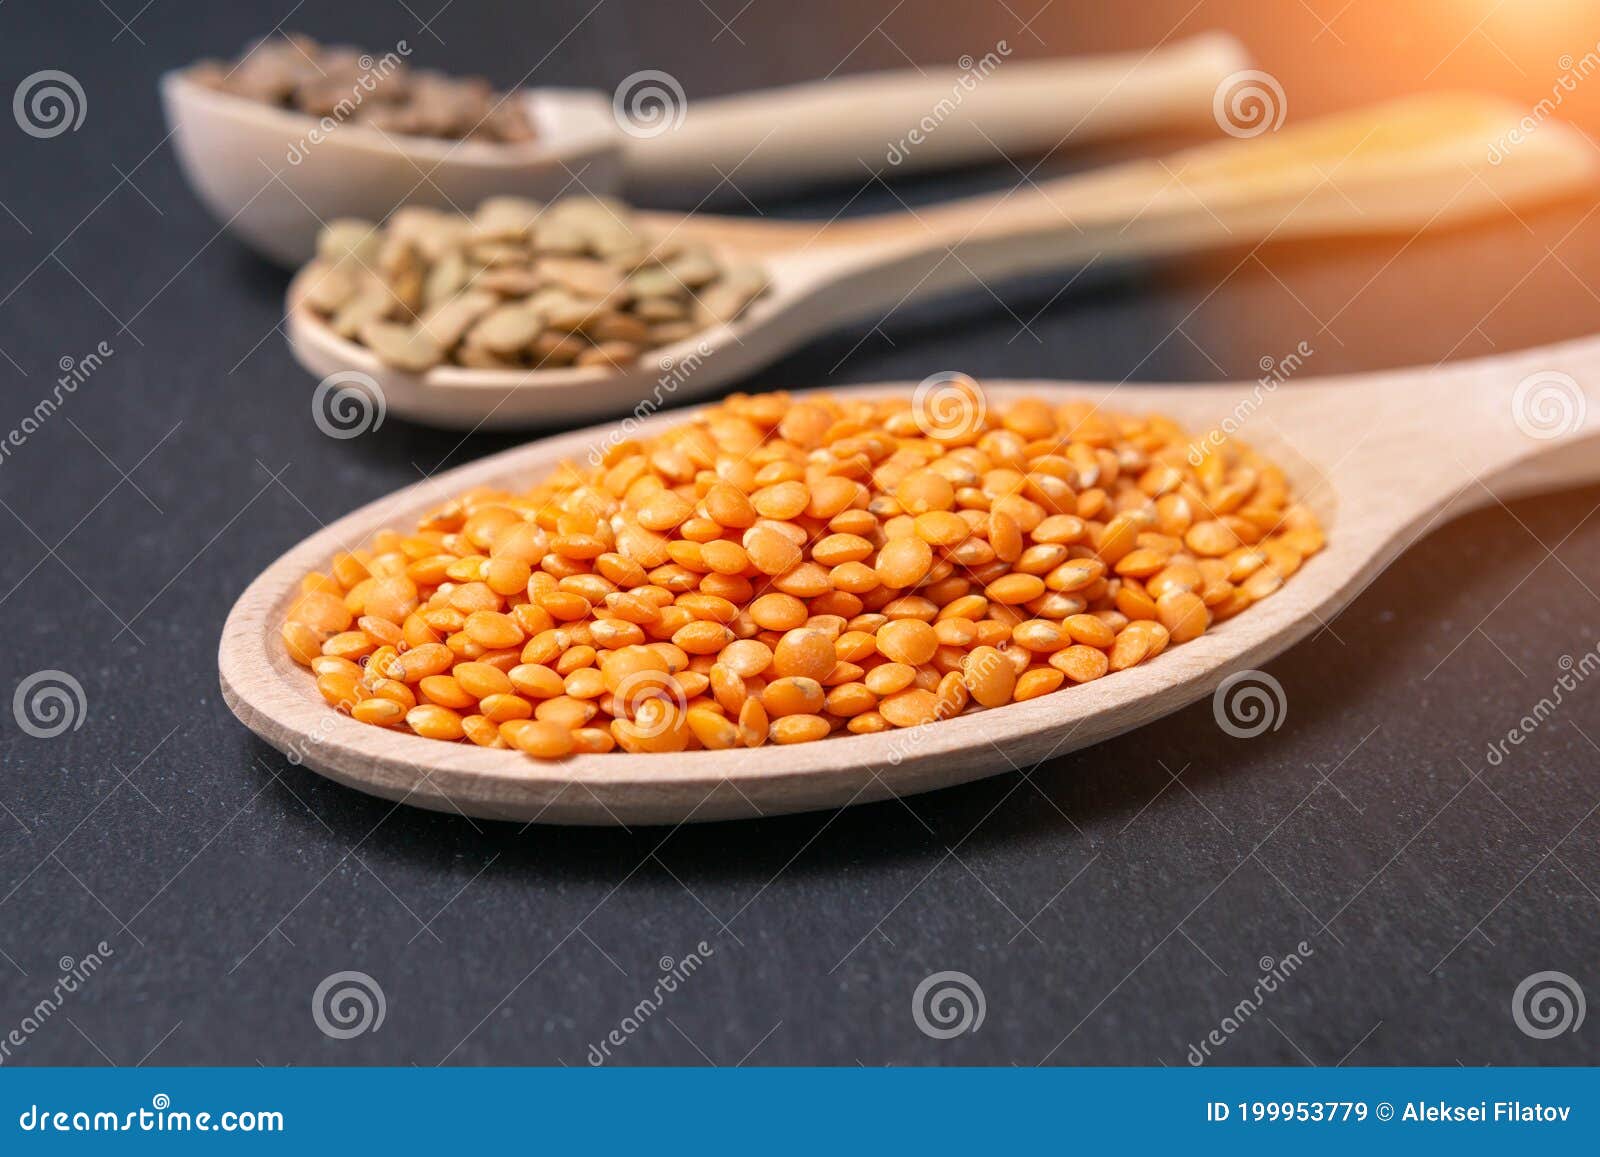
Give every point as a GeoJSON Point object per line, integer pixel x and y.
{"type": "Point", "coordinates": [779, 571]}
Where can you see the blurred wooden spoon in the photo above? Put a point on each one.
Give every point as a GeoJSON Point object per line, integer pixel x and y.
{"type": "Point", "coordinates": [1404, 166]}
{"type": "Point", "coordinates": [237, 152]}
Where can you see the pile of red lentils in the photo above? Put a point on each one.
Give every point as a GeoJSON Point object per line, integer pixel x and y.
{"type": "Point", "coordinates": [780, 569]}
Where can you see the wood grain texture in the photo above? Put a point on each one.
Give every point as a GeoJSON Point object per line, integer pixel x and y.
{"type": "Point", "coordinates": [1406, 166]}
{"type": "Point", "coordinates": [1379, 457]}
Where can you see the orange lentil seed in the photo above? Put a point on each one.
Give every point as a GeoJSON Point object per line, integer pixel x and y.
{"type": "Point", "coordinates": [482, 731]}
{"type": "Point", "coordinates": [752, 723]}
{"type": "Point", "coordinates": [1036, 682]}
{"type": "Point", "coordinates": [910, 708]}
{"type": "Point", "coordinates": [1080, 663]}
{"type": "Point", "coordinates": [381, 712]}
{"type": "Point", "coordinates": [799, 729]}
{"type": "Point", "coordinates": [989, 676]}
{"type": "Point", "coordinates": [904, 562]}
{"type": "Point", "coordinates": [794, 695]}
{"type": "Point", "coordinates": [804, 652]}
{"type": "Point", "coordinates": [908, 641]}
{"type": "Point", "coordinates": [431, 721]}
{"type": "Point", "coordinates": [532, 737]}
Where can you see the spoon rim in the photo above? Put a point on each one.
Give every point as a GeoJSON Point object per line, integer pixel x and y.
{"type": "Point", "coordinates": [285, 708]}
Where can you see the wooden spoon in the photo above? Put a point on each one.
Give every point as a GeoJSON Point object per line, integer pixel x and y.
{"type": "Point", "coordinates": [231, 147]}
{"type": "Point", "coordinates": [1379, 457]}
{"type": "Point", "coordinates": [1408, 165]}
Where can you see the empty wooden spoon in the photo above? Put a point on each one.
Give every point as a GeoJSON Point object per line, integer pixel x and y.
{"type": "Point", "coordinates": [1408, 165]}
{"type": "Point", "coordinates": [1379, 457]}
{"type": "Point", "coordinates": [274, 177]}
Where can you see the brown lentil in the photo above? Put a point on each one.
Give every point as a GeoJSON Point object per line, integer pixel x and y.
{"type": "Point", "coordinates": [779, 570]}
{"type": "Point", "coordinates": [293, 71]}
{"type": "Point", "coordinates": [580, 282]}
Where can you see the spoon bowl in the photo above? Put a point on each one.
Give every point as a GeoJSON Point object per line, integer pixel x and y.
{"type": "Point", "coordinates": [1378, 458]}
{"type": "Point", "coordinates": [274, 176]}
{"type": "Point", "coordinates": [1404, 166]}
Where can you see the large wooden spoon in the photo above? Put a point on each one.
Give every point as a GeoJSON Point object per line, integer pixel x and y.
{"type": "Point", "coordinates": [1379, 457]}
{"type": "Point", "coordinates": [1409, 165]}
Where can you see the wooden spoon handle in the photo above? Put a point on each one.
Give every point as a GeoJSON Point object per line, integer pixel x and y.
{"type": "Point", "coordinates": [1405, 165]}
{"type": "Point", "coordinates": [1426, 443]}
{"type": "Point", "coordinates": [910, 120]}
{"type": "Point", "coordinates": [1506, 426]}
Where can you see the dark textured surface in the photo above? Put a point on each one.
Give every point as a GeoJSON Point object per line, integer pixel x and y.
{"type": "Point", "coordinates": [1112, 905]}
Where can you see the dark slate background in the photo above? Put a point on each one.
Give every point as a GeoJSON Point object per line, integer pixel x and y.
{"type": "Point", "coordinates": [1113, 905]}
